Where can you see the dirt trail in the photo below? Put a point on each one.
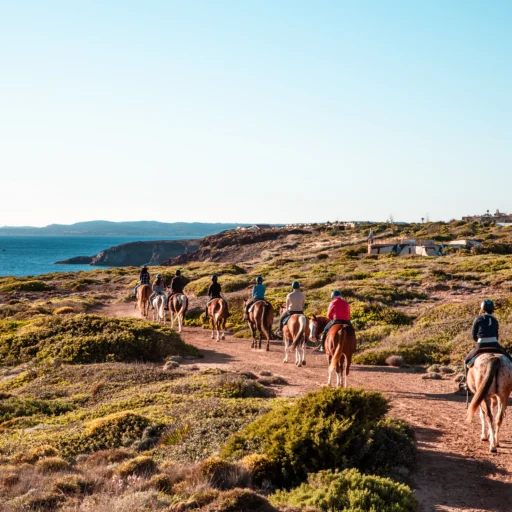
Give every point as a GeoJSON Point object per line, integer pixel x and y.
{"type": "Point", "coordinates": [456, 472]}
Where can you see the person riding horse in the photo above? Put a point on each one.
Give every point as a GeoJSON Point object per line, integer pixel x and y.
{"type": "Point", "coordinates": [485, 333]}
{"type": "Point", "coordinates": [338, 313]}
{"type": "Point", "coordinates": [158, 288]}
{"type": "Point", "coordinates": [144, 278]}
{"type": "Point", "coordinates": [294, 305]}
{"type": "Point", "coordinates": [214, 293]}
{"type": "Point", "coordinates": [258, 293]}
{"type": "Point", "coordinates": [177, 284]}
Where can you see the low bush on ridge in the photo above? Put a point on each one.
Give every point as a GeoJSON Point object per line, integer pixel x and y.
{"type": "Point", "coordinates": [91, 339]}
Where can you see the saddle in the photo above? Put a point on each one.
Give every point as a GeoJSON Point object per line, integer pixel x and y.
{"type": "Point", "coordinates": [256, 302]}
{"type": "Point", "coordinates": [486, 350]}
{"type": "Point", "coordinates": [287, 319]}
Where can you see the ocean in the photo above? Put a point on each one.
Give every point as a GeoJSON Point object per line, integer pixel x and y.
{"type": "Point", "coordinates": [34, 255]}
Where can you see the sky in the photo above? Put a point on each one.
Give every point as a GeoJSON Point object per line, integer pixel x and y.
{"type": "Point", "coordinates": [270, 111]}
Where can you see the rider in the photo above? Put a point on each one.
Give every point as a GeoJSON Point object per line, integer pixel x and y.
{"type": "Point", "coordinates": [258, 293]}
{"type": "Point", "coordinates": [338, 313]}
{"type": "Point", "coordinates": [158, 288]}
{"type": "Point", "coordinates": [143, 279]}
{"type": "Point", "coordinates": [485, 332]}
{"type": "Point", "coordinates": [177, 284]}
{"type": "Point", "coordinates": [214, 293]}
{"type": "Point", "coordinates": [294, 304]}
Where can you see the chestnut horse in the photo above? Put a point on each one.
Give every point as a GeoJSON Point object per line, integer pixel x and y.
{"type": "Point", "coordinates": [178, 306]}
{"type": "Point", "coordinates": [143, 293]}
{"type": "Point", "coordinates": [296, 332]}
{"type": "Point", "coordinates": [490, 379]}
{"type": "Point", "coordinates": [340, 344]}
{"type": "Point", "coordinates": [316, 327]}
{"type": "Point", "coordinates": [261, 317]}
{"type": "Point", "coordinates": [159, 308]}
{"type": "Point", "coordinates": [218, 315]}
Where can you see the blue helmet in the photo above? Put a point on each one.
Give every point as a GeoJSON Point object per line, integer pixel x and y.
{"type": "Point", "coordinates": [487, 306]}
{"type": "Point", "coordinates": [159, 276]}
{"type": "Point", "coordinates": [215, 277]}
{"type": "Point", "coordinates": [259, 279]}
{"type": "Point", "coordinates": [296, 285]}
{"type": "Point", "coordinates": [336, 293]}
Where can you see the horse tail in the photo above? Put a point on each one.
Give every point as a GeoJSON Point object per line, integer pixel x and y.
{"type": "Point", "coordinates": [184, 305]}
{"type": "Point", "coordinates": [338, 351]}
{"type": "Point", "coordinates": [490, 373]}
{"type": "Point", "coordinates": [265, 328]}
{"type": "Point", "coordinates": [303, 322]}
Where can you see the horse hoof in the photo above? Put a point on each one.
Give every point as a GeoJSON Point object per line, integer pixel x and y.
{"type": "Point", "coordinates": [223, 337]}
{"type": "Point", "coordinates": [493, 450]}
{"type": "Point", "coordinates": [484, 438]}
{"type": "Point", "coordinates": [268, 350]}
{"type": "Point", "coordinates": [303, 363]}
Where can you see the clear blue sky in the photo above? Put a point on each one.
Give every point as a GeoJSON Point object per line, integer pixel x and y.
{"type": "Point", "coordinates": [254, 111]}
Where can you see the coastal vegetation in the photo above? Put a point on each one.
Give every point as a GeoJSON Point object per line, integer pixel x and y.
{"type": "Point", "coordinates": [100, 413]}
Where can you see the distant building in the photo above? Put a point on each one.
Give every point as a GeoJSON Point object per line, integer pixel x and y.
{"type": "Point", "coordinates": [464, 244]}
{"type": "Point", "coordinates": [402, 247]}
{"type": "Point", "coordinates": [498, 218]}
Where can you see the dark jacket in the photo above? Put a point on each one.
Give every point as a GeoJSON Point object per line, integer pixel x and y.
{"type": "Point", "coordinates": [177, 284]}
{"type": "Point", "coordinates": [485, 326]}
{"type": "Point", "coordinates": [144, 277]}
{"type": "Point", "coordinates": [214, 291]}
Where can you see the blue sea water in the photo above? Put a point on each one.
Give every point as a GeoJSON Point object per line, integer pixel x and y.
{"type": "Point", "coordinates": [22, 255]}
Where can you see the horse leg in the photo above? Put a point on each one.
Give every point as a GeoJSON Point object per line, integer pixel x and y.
{"type": "Point", "coordinates": [180, 321]}
{"type": "Point", "coordinates": [285, 340]}
{"type": "Point", "coordinates": [502, 405]}
{"type": "Point", "coordinates": [222, 325]}
{"type": "Point", "coordinates": [483, 435]}
{"type": "Point", "coordinates": [330, 370]}
{"type": "Point", "coordinates": [487, 409]}
{"type": "Point", "coordinates": [253, 334]}
{"type": "Point", "coordinates": [304, 352]}
{"type": "Point", "coordinates": [212, 322]}
{"type": "Point", "coordinates": [345, 370]}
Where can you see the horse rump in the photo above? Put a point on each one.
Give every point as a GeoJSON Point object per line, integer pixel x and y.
{"type": "Point", "coordinates": [491, 372]}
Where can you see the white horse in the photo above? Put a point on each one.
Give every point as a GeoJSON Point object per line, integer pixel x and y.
{"type": "Point", "coordinates": [178, 306]}
{"type": "Point", "coordinates": [490, 379]}
{"type": "Point", "coordinates": [295, 334]}
{"type": "Point", "coordinates": [159, 308]}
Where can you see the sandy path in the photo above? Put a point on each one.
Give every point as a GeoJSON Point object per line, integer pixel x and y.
{"type": "Point", "coordinates": [455, 470]}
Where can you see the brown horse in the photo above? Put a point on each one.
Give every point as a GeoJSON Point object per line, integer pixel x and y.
{"type": "Point", "coordinates": [218, 315]}
{"type": "Point", "coordinates": [316, 327]}
{"type": "Point", "coordinates": [178, 307]}
{"type": "Point", "coordinates": [143, 293]}
{"type": "Point", "coordinates": [490, 379]}
{"type": "Point", "coordinates": [340, 344]}
{"type": "Point", "coordinates": [295, 334]}
{"type": "Point", "coordinates": [261, 317]}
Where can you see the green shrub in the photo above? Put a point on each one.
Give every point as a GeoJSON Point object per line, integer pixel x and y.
{"type": "Point", "coordinates": [238, 500]}
{"type": "Point", "coordinates": [65, 310]}
{"type": "Point", "coordinates": [12, 284]}
{"type": "Point", "coordinates": [113, 431]}
{"type": "Point", "coordinates": [92, 339]}
{"type": "Point", "coordinates": [162, 483]}
{"type": "Point", "coordinates": [73, 484]}
{"type": "Point", "coordinates": [223, 474]}
{"type": "Point", "coordinates": [349, 491]}
{"type": "Point", "coordinates": [35, 454]}
{"type": "Point", "coordinates": [260, 467]}
{"type": "Point", "coordinates": [139, 466]}
{"type": "Point", "coordinates": [324, 429]}
{"type": "Point", "coordinates": [52, 465]}
{"type": "Point", "coordinates": [15, 407]}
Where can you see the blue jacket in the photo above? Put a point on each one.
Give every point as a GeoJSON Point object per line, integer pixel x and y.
{"type": "Point", "coordinates": [258, 292]}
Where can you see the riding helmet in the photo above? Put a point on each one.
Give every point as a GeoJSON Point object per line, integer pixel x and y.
{"type": "Point", "coordinates": [215, 277]}
{"type": "Point", "coordinates": [159, 276]}
{"type": "Point", "coordinates": [259, 280]}
{"type": "Point", "coordinates": [487, 306]}
{"type": "Point", "coordinates": [178, 272]}
{"type": "Point", "coordinates": [336, 293]}
{"type": "Point", "coordinates": [296, 285]}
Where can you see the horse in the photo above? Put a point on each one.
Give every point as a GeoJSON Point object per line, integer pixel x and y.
{"type": "Point", "coordinates": [490, 379]}
{"type": "Point", "coordinates": [143, 294]}
{"type": "Point", "coordinates": [296, 332]}
{"type": "Point", "coordinates": [178, 306]}
{"type": "Point", "coordinates": [159, 308]}
{"type": "Point", "coordinates": [260, 317]}
{"type": "Point", "coordinates": [218, 315]}
{"type": "Point", "coordinates": [340, 344]}
{"type": "Point", "coordinates": [316, 327]}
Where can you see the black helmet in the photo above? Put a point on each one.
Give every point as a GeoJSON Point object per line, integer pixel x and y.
{"type": "Point", "coordinates": [178, 272]}
{"type": "Point", "coordinates": [215, 277]}
{"type": "Point", "coordinates": [259, 279]}
{"type": "Point", "coordinates": [487, 306]}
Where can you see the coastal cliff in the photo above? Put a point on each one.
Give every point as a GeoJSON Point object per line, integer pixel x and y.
{"type": "Point", "coordinates": [137, 253]}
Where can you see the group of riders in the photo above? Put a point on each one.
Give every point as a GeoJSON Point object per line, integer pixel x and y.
{"type": "Point", "coordinates": [484, 332]}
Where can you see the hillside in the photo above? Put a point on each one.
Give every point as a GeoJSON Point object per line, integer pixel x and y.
{"type": "Point", "coordinates": [94, 420]}
{"type": "Point", "coordinates": [106, 228]}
